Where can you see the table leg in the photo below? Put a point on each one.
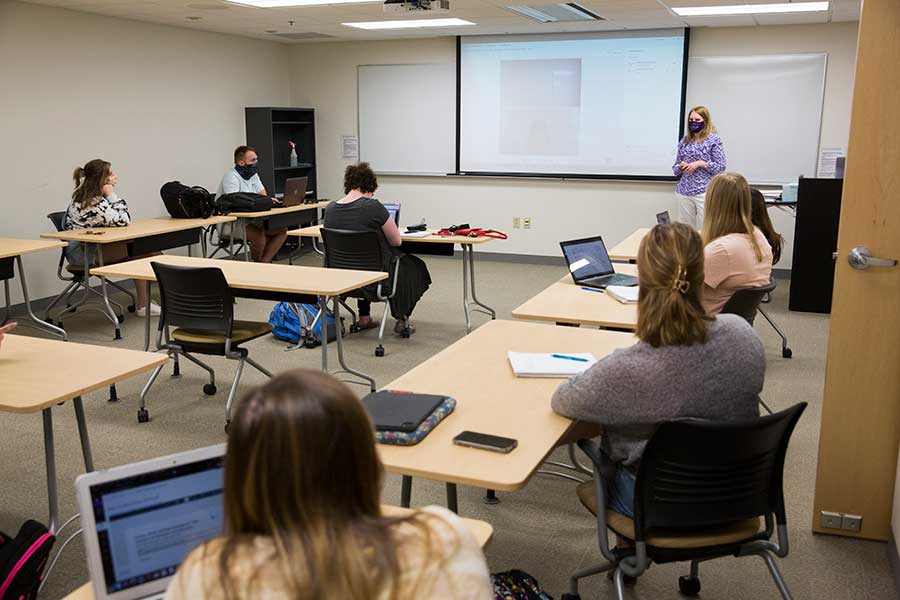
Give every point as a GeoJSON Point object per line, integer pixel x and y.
{"type": "Point", "coordinates": [468, 257]}
{"type": "Point", "coordinates": [405, 491]}
{"type": "Point", "coordinates": [465, 270]}
{"type": "Point", "coordinates": [83, 434]}
{"type": "Point", "coordinates": [204, 231]}
{"type": "Point", "coordinates": [87, 269]}
{"type": "Point", "coordinates": [478, 302]}
{"type": "Point", "coordinates": [50, 460]}
{"type": "Point", "coordinates": [8, 303]}
{"type": "Point", "coordinates": [340, 342]}
{"type": "Point", "coordinates": [323, 310]}
{"type": "Point", "coordinates": [231, 238]}
{"type": "Point", "coordinates": [147, 319]}
{"type": "Point", "coordinates": [452, 498]}
{"type": "Point", "coordinates": [490, 497]}
{"type": "Point", "coordinates": [34, 319]}
{"type": "Point", "coordinates": [247, 256]}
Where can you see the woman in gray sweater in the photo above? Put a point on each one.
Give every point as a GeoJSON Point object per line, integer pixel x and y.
{"type": "Point", "coordinates": [686, 365]}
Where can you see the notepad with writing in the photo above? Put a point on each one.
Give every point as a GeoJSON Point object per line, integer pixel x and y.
{"type": "Point", "coordinates": [416, 234]}
{"type": "Point", "coordinates": [625, 295]}
{"type": "Point", "coordinates": [551, 365]}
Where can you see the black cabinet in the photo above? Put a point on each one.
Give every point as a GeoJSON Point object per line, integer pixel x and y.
{"type": "Point", "coordinates": [269, 131]}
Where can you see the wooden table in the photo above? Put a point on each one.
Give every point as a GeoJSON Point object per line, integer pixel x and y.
{"type": "Point", "coordinates": [275, 218]}
{"type": "Point", "coordinates": [627, 249]}
{"type": "Point", "coordinates": [490, 399]}
{"type": "Point", "coordinates": [31, 381]}
{"type": "Point", "coordinates": [565, 302]}
{"type": "Point", "coordinates": [167, 232]}
{"type": "Point", "coordinates": [467, 244]}
{"type": "Point", "coordinates": [287, 280]}
{"type": "Point", "coordinates": [482, 531]}
{"type": "Point", "coordinates": [11, 251]}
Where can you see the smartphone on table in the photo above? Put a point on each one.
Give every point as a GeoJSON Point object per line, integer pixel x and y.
{"type": "Point", "coordinates": [485, 441]}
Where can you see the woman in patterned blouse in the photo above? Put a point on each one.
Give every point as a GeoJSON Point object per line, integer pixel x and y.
{"type": "Point", "coordinates": [96, 204]}
{"type": "Point", "coordinates": [700, 157]}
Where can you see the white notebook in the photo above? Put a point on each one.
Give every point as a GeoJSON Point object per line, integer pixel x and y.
{"type": "Point", "coordinates": [544, 364]}
{"type": "Point", "coordinates": [416, 234]}
{"type": "Point", "coordinates": [624, 294]}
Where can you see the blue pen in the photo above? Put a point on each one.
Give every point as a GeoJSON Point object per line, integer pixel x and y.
{"type": "Point", "coordinates": [575, 358]}
{"type": "Point", "coordinates": [593, 290]}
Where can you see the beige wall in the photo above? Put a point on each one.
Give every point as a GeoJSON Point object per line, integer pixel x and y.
{"type": "Point", "coordinates": [325, 78]}
{"type": "Point", "coordinates": [160, 103]}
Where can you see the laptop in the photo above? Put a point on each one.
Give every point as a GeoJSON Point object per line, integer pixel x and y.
{"type": "Point", "coordinates": [141, 520]}
{"type": "Point", "coordinates": [663, 218]}
{"type": "Point", "coordinates": [394, 211]}
{"type": "Point", "coordinates": [590, 266]}
{"type": "Point", "coordinates": [295, 191]}
{"type": "Point", "coordinates": [400, 411]}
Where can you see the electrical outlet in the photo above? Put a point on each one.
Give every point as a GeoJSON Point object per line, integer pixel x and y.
{"type": "Point", "coordinates": [517, 222]}
{"type": "Point", "coordinates": [851, 522]}
{"type": "Point", "coordinates": [526, 222]}
{"type": "Point", "coordinates": [830, 520]}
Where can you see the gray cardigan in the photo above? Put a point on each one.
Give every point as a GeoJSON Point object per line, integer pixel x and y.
{"type": "Point", "coordinates": [633, 390]}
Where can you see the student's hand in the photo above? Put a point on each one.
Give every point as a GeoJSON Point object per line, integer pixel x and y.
{"type": "Point", "coordinates": [108, 190]}
{"type": "Point", "coordinates": [6, 329]}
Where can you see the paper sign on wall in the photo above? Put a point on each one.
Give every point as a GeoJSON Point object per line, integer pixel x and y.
{"type": "Point", "coordinates": [828, 161]}
{"type": "Point", "coordinates": [350, 146]}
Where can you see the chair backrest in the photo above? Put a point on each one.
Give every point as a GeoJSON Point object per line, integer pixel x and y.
{"type": "Point", "coordinates": [361, 250]}
{"type": "Point", "coordinates": [745, 302]}
{"type": "Point", "coordinates": [697, 473]}
{"type": "Point", "coordinates": [194, 298]}
{"type": "Point", "coordinates": [58, 219]}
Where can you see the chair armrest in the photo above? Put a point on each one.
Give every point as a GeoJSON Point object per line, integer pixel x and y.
{"type": "Point", "coordinates": [603, 464]}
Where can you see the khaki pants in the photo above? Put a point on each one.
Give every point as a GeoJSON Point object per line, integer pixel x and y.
{"type": "Point", "coordinates": [690, 210]}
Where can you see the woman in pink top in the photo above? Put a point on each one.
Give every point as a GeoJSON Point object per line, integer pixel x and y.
{"type": "Point", "coordinates": [737, 254]}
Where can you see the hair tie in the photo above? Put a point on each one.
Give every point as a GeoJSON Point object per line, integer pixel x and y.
{"type": "Point", "coordinates": [680, 282]}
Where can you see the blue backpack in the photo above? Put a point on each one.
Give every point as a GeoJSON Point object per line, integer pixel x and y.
{"type": "Point", "coordinates": [293, 323]}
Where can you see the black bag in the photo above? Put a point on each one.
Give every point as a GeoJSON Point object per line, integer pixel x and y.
{"type": "Point", "coordinates": [185, 202]}
{"type": "Point", "coordinates": [517, 585]}
{"type": "Point", "coordinates": [242, 202]}
{"type": "Point", "coordinates": [22, 561]}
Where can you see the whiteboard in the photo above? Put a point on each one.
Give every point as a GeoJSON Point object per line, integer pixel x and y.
{"type": "Point", "coordinates": [407, 118]}
{"type": "Point", "coordinates": [767, 109]}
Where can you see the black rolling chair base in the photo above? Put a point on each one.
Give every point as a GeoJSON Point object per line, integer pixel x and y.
{"type": "Point", "coordinates": [209, 389]}
{"type": "Point", "coordinates": [379, 351]}
{"type": "Point", "coordinates": [143, 415]}
{"type": "Point", "coordinates": [688, 585]}
{"type": "Point", "coordinates": [787, 352]}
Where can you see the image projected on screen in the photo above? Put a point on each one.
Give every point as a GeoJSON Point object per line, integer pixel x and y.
{"type": "Point", "coordinates": [605, 104]}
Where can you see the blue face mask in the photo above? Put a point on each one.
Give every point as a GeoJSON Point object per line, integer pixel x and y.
{"type": "Point", "coordinates": [246, 171]}
{"type": "Point", "coordinates": [696, 126]}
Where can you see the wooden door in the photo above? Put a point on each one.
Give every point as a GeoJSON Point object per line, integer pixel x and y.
{"type": "Point", "coordinates": [861, 411]}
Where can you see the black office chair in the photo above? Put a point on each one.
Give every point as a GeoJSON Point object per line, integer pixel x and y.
{"type": "Point", "coordinates": [199, 303]}
{"type": "Point", "coordinates": [700, 492]}
{"type": "Point", "coordinates": [77, 281]}
{"type": "Point", "coordinates": [746, 303]}
{"type": "Point", "coordinates": [363, 251]}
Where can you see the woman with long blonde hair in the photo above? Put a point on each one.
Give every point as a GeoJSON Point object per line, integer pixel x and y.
{"type": "Point", "coordinates": [302, 513]}
{"type": "Point", "coordinates": [686, 364]}
{"type": "Point", "coordinates": [737, 253]}
{"type": "Point", "coordinates": [700, 156]}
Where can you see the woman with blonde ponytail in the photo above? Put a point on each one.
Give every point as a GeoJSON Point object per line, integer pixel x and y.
{"type": "Point", "coordinates": [737, 254]}
{"type": "Point", "coordinates": [686, 364]}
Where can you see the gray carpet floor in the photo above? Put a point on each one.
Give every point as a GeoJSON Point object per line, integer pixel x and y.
{"type": "Point", "coordinates": [542, 529]}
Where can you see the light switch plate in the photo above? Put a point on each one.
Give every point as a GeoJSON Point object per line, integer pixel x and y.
{"type": "Point", "coordinates": [830, 520]}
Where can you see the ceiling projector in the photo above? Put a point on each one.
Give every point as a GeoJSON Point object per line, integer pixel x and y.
{"type": "Point", "coordinates": [408, 6]}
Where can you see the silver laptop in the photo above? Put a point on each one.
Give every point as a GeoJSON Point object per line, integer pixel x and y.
{"type": "Point", "coordinates": [295, 191]}
{"type": "Point", "coordinates": [393, 209]}
{"type": "Point", "coordinates": [141, 520]}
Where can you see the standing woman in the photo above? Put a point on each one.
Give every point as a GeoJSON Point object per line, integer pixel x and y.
{"type": "Point", "coordinates": [700, 156]}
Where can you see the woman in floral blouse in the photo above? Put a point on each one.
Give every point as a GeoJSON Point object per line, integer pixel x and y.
{"type": "Point", "coordinates": [700, 157]}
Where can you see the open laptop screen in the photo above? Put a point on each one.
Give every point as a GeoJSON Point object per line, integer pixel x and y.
{"type": "Point", "coordinates": [394, 211]}
{"type": "Point", "coordinates": [587, 258]}
{"type": "Point", "coordinates": [147, 523]}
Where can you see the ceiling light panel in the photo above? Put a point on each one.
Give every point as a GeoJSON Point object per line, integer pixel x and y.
{"type": "Point", "coordinates": [749, 9]}
{"type": "Point", "coordinates": [296, 3]}
{"type": "Point", "coordinates": [410, 24]}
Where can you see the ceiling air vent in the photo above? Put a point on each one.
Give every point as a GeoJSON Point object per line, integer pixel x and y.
{"type": "Point", "coordinates": [306, 35]}
{"type": "Point", "coordinates": [553, 13]}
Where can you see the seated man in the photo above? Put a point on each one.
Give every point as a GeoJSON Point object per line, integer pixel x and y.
{"type": "Point", "coordinates": [264, 245]}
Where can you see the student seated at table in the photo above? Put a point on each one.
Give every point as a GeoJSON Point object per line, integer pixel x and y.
{"type": "Point", "coordinates": [302, 515]}
{"type": "Point", "coordinates": [6, 329]}
{"type": "Point", "coordinates": [96, 204]}
{"type": "Point", "coordinates": [359, 211]}
{"type": "Point", "coordinates": [243, 177]}
{"type": "Point", "coordinates": [762, 221]}
{"type": "Point", "coordinates": [686, 363]}
{"type": "Point", "coordinates": [737, 254]}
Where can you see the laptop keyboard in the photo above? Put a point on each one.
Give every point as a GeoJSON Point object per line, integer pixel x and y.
{"type": "Point", "coordinates": [616, 279]}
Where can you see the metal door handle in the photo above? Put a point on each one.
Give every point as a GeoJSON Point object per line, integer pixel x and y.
{"type": "Point", "coordinates": [861, 258]}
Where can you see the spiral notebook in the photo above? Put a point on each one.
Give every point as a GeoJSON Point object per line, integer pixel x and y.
{"type": "Point", "coordinates": [550, 364]}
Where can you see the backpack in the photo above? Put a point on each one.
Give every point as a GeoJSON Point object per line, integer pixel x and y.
{"type": "Point", "coordinates": [22, 561]}
{"type": "Point", "coordinates": [242, 202]}
{"type": "Point", "coordinates": [292, 323]}
{"type": "Point", "coordinates": [185, 202]}
{"type": "Point", "coordinates": [517, 585]}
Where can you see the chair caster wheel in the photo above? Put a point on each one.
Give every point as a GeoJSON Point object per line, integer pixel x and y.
{"type": "Point", "coordinates": [209, 389]}
{"type": "Point", "coordinates": [787, 352]}
{"type": "Point", "coordinates": [354, 328]}
{"type": "Point", "coordinates": [132, 308]}
{"type": "Point", "coordinates": [120, 318]}
{"type": "Point", "coordinates": [689, 586]}
{"type": "Point", "coordinates": [570, 597]}
{"type": "Point", "coordinates": [309, 343]}
{"type": "Point", "coordinates": [379, 351]}
{"type": "Point", "coordinates": [227, 423]}
{"type": "Point", "coordinates": [406, 333]}
{"type": "Point", "coordinates": [143, 415]}
{"type": "Point", "coordinates": [118, 335]}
